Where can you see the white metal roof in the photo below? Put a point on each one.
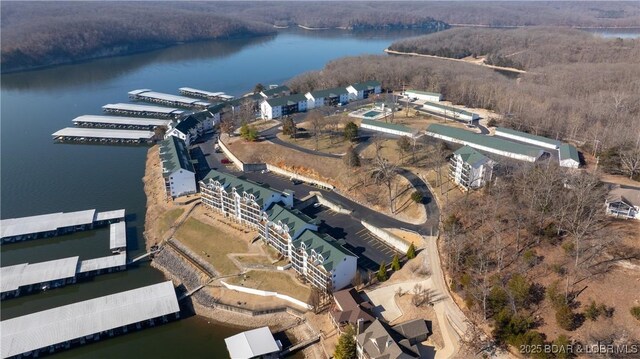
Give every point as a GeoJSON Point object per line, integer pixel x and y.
{"type": "Point", "coordinates": [226, 97]}
{"type": "Point", "coordinates": [201, 92]}
{"type": "Point", "coordinates": [58, 325]}
{"type": "Point", "coordinates": [103, 133]}
{"type": "Point", "coordinates": [107, 215]}
{"type": "Point", "coordinates": [120, 120]}
{"type": "Point", "coordinates": [168, 97]}
{"type": "Point", "coordinates": [142, 108]}
{"type": "Point", "coordinates": [115, 260]}
{"type": "Point", "coordinates": [118, 235]}
{"type": "Point", "coordinates": [44, 223]}
{"type": "Point", "coordinates": [14, 277]}
{"type": "Point", "coordinates": [137, 92]}
{"type": "Point", "coordinates": [252, 343]}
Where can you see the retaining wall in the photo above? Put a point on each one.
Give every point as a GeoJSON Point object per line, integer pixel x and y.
{"type": "Point", "coordinates": [267, 294]}
{"type": "Point", "coordinates": [230, 155]}
{"type": "Point", "coordinates": [299, 177]}
{"type": "Point", "coordinates": [394, 241]}
{"type": "Point", "coordinates": [333, 206]}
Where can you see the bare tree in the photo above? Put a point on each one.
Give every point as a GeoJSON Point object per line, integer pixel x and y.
{"type": "Point", "coordinates": [317, 122]}
{"type": "Point", "coordinates": [630, 162]}
{"type": "Point", "coordinates": [228, 124]}
{"type": "Point", "coordinates": [385, 172]}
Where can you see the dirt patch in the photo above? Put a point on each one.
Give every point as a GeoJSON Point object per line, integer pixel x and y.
{"type": "Point", "coordinates": [283, 282]}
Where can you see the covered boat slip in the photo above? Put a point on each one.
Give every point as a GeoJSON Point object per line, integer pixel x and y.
{"type": "Point", "coordinates": [167, 99]}
{"type": "Point", "coordinates": [103, 135]}
{"type": "Point", "coordinates": [190, 91]}
{"type": "Point", "coordinates": [53, 224]}
{"type": "Point", "coordinates": [48, 328]}
{"type": "Point", "coordinates": [108, 263]}
{"type": "Point", "coordinates": [44, 273]}
{"type": "Point", "coordinates": [118, 237]}
{"type": "Point", "coordinates": [143, 110]}
{"type": "Point", "coordinates": [133, 123]}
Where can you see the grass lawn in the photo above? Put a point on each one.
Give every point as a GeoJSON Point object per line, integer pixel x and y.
{"type": "Point", "coordinates": [211, 243]}
{"type": "Point", "coordinates": [254, 260]}
{"type": "Point", "coordinates": [168, 218]}
{"type": "Point", "coordinates": [274, 282]}
{"type": "Point", "coordinates": [339, 145]}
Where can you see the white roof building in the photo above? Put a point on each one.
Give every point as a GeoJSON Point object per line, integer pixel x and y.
{"type": "Point", "coordinates": [252, 343]}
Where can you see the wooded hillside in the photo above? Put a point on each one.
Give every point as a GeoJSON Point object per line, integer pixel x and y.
{"type": "Point", "coordinates": [524, 48]}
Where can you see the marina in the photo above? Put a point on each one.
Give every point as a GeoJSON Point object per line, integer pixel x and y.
{"type": "Point", "coordinates": [118, 237]}
{"type": "Point", "coordinates": [167, 99]}
{"type": "Point", "coordinates": [143, 110]}
{"type": "Point", "coordinates": [119, 122]}
{"type": "Point", "coordinates": [189, 91]}
{"type": "Point", "coordinates": [55, 224]}
{"type": "Point", "coordinates": [61, 327]}
{"type": "Point", "coordinates": [79, 134]}
{"type": "Point", "coordinates": [26, 277]}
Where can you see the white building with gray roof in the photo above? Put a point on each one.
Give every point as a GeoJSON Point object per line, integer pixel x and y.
{"type": "Point", "coordinates": [177, 169]}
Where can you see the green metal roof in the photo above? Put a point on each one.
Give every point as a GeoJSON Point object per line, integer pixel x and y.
{"type": "Point", "coordinates": [568, 151]}
{"type": "Point", "coordinates": [217, 107]}
{"type": "Point", "coordinates": [334, 92]}
{"type": "Point", "coordinates": [175, 156]}
{"type": "Point", "coordinates": [449, 108]}
{"type": "Point", "coordinates": [331, 251]}
{"type": "Point", "coordinates": [294, 219]}
{"type": "Point", "coordinates": [469, 155]}
{"type": "Point", "coordinates": [286, 100]}
{"type": "Point", "coordinates": [369, 85]}
{"type": "Point", "coordinates": [482, 140]}
{"type": "Point", "coordinates": [277, 90]}
{"type": "Point", "coordinates": [424, 92]}
{"type": "Point", "coordinates": [529, 136]}
{"type": "Point", "coordinates": [187, 124]}
{"type": "Point", "coordinates": [391, 126]}
{"type": "Point", "coordinates": [241, 185]}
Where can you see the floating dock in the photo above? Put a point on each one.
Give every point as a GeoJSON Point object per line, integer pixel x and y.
{"type": "Point", "coordinates": [55, 224]}
{"type": "Point", "coordinates": [167, 99]}
{"type": "Point", "coordinates": [90, 267]}
{"type": "Point", "coordinates": [100, 135]}
{"type": "Point", "coordinates": [144, 110]}
{"type": "Point", "coordinates": [189, 91]}
{"type": "Point", "coordinates": [61, 327]}
{"type": "Point", "coordinates": [118, 237]}
{"type": "Point", "coordinates": [27, 277]}
{"type": "Point", "coordinates": [119, 122]}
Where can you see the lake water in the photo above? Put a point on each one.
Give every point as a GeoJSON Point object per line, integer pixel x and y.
{"type": "Point", "coordinates": [38, 176]}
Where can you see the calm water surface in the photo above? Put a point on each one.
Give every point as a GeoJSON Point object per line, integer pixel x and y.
{"type": "Point", "coordinates": [38, 176]}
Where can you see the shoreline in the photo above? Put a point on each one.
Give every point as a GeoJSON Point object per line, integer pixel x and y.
{"type": "Point", "coordinates": [494, 67]}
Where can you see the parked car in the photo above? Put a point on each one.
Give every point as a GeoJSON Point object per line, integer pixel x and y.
{"type": "Point", "coordinates": [225, 161]}
{"type": "Point", "coordinates": [316, 205]}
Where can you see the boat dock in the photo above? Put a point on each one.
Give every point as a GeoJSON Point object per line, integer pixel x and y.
{"type": "Point", "coordinates": [100, 135]}
{"type": "Point", "coordinates": [167, 99]}
{"type": "Point", "coordinates": [96, 266]}
{"type": "Point", "coordinates": [27, 277]}
{"type": "Point", "coordinates": [118, 237]}
{"type": "Point", "coordinates": [189, 91]}
{"type": "Point", "coordinates": [55, 224]}
{"type": "Point", "coordinates": [119, 122]}
{"type": "Point", "coordinates": [144, 110]}
{"type": "Point", "coordinates": [77, 323]}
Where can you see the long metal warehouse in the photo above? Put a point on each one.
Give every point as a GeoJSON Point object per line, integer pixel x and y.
{"type": "Point", "coordinates": [489, 144]}
{"type": "Point", "coordinates": [46, 329]}
{"type": "Point", "coordinates": [134, 123]}
{"type": "Point", "coordinates": [143, 110]}
{"type": "Point", "coordinates": [167, 99]}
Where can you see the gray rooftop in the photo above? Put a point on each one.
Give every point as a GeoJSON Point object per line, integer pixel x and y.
{"type": "Point", "coordinates": [14, 277]}
{"type": "Point", "coordinates": [472, 138]}
{"type": "Point", "coordinates": [142, 108]}
{"type": "Point", "coordinates": [286, 100]}
{"type": "Point", "coordinates": [200, 92]}
{"type": "Point", "coordinates": [364, 86]}
{"type": "Point", "coordinates": [252, 343]}
{"type": "Point", "coordinates": [121, 120]}
{"type": "Point", "coordinates": [118, 235]}
{"type": "Point", "coordinates": [109, 215]}
{"type": "Point", "coordinates": [44, 223]}
{"type": "Point", "coordinates": [276, 90]}
{"type": "Point", "coordinates": [107, 262]}
{"type": "Point", "coordinates": [449, 108]}
{"type": "Point", "coordinates": [187, 101]}
{"type": "Point", "coordinates": [68, 322]}
{"type": "Point", "coordinates": [175, 156]}
{"type": "Point", "coordinates": [527, 136]}
{"type": "Point", "coordinates": [390, 126]}
{"type": "Point", "coordinates": [334, 92]}
{"type": "Point", "coordinates": [378, 342]}
{"type": "Point", "coordinates": [103, 133]}
{"type": "Point", "coordinates": [424, 92]}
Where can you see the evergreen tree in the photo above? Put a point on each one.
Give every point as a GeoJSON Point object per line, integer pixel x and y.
{"type": "Point", "coordinates": [382, 272]}
{"type": "Point", "coordinates": [395, 263]}
{"type": "Point", "coordinates": [258, 88]}
{"type": "Point", "coordinates": [249, 133]}
{"type": "Point", "coordinates": [411, 252]}
{"type": "Point", "coordinates": [346, 348]}
{"type": "Point", "coordinates": [351, 158]}
{"type": "Point", "coordinates": [289, 127]}
{"type": "Point", "coordinates": [350, 131]}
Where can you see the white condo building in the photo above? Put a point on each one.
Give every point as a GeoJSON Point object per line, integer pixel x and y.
{"type": "Point", "coordinates": [470, 169]}
{"type": "Point", "coordinates": [177, 170]}
{"type": "Point", "coordinates": [363, 90]}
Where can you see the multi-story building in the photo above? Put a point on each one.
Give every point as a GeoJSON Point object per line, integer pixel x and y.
{"type": "Point", "coordinates": [276, 91]}
{"type": "Point", "coordinates": [281, 226]}
{"type": "Point", "coordinates": [363, 90]}
{"type": "Point", "coordinates": [330, 97]}
{"type": "Point", "coordinates": [322, 261]}
{"type": "Point", "coordinates": [470, 169]}
{"type": "Point", "coordinates": [282, 106]}
{"type": "Point", "coordinates": [177, 170]}
{"type": "Point", "coordinates": [187, 130]}
{"type": "Point", "coordinates": [242, 200]}
{"type": "Point", "coordinates": [623, 202]}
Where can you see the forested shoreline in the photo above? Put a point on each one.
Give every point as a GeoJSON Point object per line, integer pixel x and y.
{"type": "Point", "coordinates": [38, 34]}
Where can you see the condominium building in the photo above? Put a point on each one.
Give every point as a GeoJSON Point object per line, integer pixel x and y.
{"type": "Point", "coordinates": [470, 169]}
{"type": "Point", "coordinates": [242, 200]}
{"type": "Point", "coordinates": [177, 170]}
{"type": "Point", "coordinates": [187, 130]}
{"type": "Point", "coordinates": [364, 90]}
{"type": "Point", "coordinates": [281, 226]}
